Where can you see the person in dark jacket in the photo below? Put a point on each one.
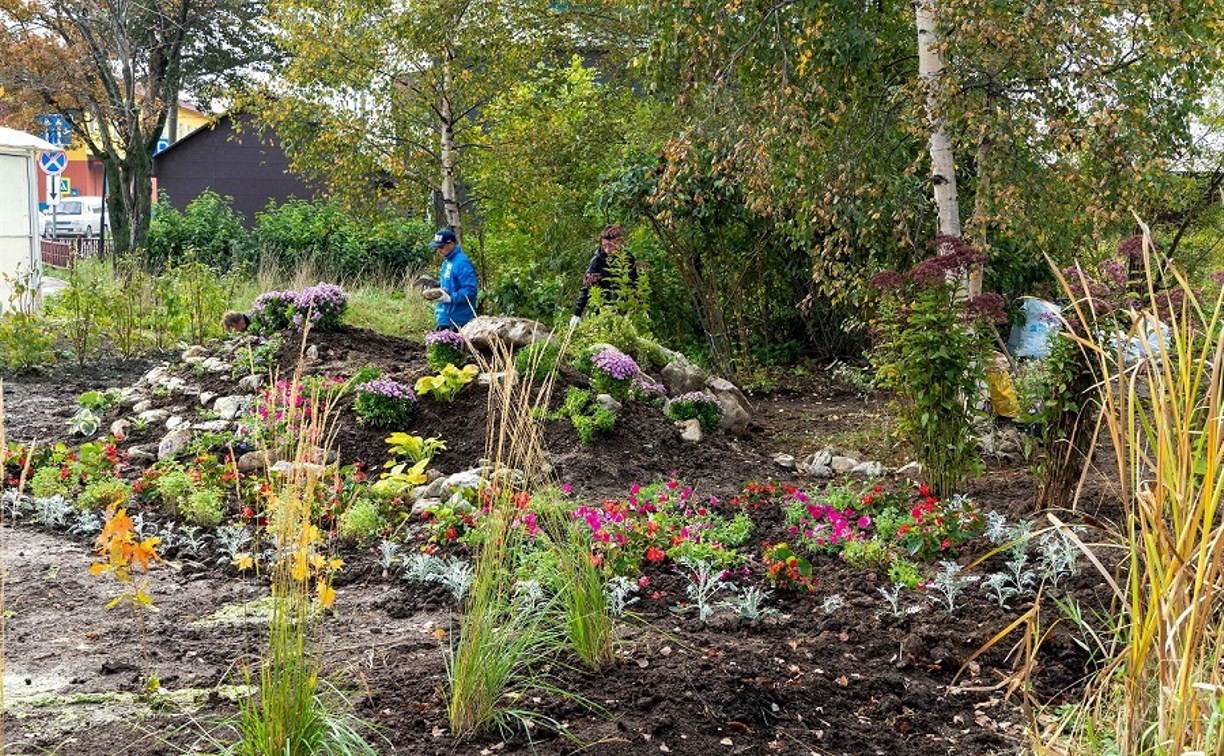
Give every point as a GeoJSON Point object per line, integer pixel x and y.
{"type": "Point", "coordinates": [611, 245]}
{"type": "Point", "coordinates": [455, 294]}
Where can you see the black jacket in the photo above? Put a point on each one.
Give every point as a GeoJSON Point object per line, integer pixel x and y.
{"type": "Point", "coordinates": [597, 275]}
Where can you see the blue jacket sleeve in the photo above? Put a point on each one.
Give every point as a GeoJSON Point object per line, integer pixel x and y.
{"type": "Point", "coordinates": [463, 281]}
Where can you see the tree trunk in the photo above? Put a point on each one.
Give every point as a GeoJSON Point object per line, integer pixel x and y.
{"type": "Point", "coordinates": [943, 168]}
{"type": "Point", "coordinates": [450, 195]}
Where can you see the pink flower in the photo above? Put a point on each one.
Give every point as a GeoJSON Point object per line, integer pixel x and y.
{"type": "Point", "coordinates": [864, 521]}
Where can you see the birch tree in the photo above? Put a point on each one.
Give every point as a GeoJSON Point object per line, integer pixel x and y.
{"type": "Point", "coordinates": [384, 101]}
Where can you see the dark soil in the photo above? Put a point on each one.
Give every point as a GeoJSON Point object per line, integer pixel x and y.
{"type": "Point", "coordinates": [857, 681]}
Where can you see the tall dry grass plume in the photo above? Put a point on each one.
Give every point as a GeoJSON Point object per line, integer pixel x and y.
{"type": "Point", "coordinates": [1162, 689]}
{"type": "Point", "coordinates": [295, 712]}
{"type": "Point", "coordinates": [500, 646]}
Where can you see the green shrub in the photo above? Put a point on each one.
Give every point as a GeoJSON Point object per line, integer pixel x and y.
{"type": "Point", "coordinates": [208, 231]}
{"type": "Point", "coordinates": [361, 522]}
{"type": "Point", "coordinates": [867, 553]}
{"type": "Point", "coordinates": [537, 359]}
{"type": "Point", "coordinates": [699, 405]}
{"type": "Point", "coordinates": [173, 487]}
{"type": "Point", "coordinates": [384, 403]}
{"type": "Point", "coordinates": [46, 482]}
{"type": "Point", "coordinates": [102, 493]}
{"type": "Point", "coordinates": [323, 234]}
{"type": "Point", "coordinates": [205, 506]}
{"type": "Point", "coordinates": [904, 572]}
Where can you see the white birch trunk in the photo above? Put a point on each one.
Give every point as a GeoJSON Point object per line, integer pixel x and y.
{"type": "Point", "coordinates": [943, 168]}
{"type": "Point", "coordinates": [450, 195]}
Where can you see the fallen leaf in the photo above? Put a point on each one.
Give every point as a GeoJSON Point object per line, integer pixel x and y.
{"type": "Point", "coordinates": [842, 681]}
{"type": "Point", "coordinates": [738, 726]}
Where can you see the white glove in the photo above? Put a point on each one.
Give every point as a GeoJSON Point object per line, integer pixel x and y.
{"type": "Point", "coordinates": [575, 320]}
{"type": "Point", "coordinates": [439, 295]}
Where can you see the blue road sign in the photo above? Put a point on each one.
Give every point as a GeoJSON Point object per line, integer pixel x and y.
{"type": "Point", "coordinates": [162, 144]}
{"type": "Point", "coordinates": [56, 129]}
{"type": "Point", "coordinates": [53, 163]}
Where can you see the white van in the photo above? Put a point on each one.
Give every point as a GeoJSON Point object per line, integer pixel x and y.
{"type": "Point", "coordinates": [78, 216]}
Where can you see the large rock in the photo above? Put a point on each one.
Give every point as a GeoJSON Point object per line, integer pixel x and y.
{"type": "Point", "coordinates": [466, 479]}
{"type": "Point", "coordinates": [819, 465]}
{"type": "Point", "coordinates": [737, 412]}
{"type": "Point", "coordinates": [785, 461]}
{"type": "Point", "coordinates": [211, 426]}
{"type": "Point", "coordinates": [143, 405]}
{"type": "Point", "coordinates": [251, 382]}
{"type": "Point", "coordinates": [608, 402]}
{"type": "Point", "coordinates": [173, 444]}
{"type": "Point", "coordinates": [119, 429]}
{"type": "Point", "coordinates": [229, 407]}
{"type": "Point", "coordinates": [682, 376]}
{"type": "Point", "coordinates": [868, 469]}
{"type": "Point", "coordinates": [485, 331]}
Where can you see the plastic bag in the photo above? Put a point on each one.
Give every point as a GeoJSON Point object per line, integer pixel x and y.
{"type": "Point", "coordinates": [1041, 322]}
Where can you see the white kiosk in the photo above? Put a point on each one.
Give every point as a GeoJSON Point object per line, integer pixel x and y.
{"type": "Point", "coordinates": [20, 258]}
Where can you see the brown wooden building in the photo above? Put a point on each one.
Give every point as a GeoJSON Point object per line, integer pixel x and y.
{"type": "Point", "coordinates": [232, 163]}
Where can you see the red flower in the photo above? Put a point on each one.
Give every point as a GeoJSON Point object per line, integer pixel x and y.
{"type": "Point", "coordinates": [654, 554]}
{"type": "Point", "coordinates": [924, 489]}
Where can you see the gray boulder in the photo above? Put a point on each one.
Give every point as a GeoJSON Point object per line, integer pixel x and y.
{"type": "Point", "coordinates": [843, 465]}
{"type": "Point", "coordinates": [682, 376]}
{"type": "Point", "coordinates": [737, 412]}
{"type": "Point", "coordinates": [251, 383]}
{"type": "Point", "coordinates": [607, 402]}
{"type": "Point", "coordinates": [868, 469]}
{"type": "Point", "coordinates": [485, 331]}
{"type": "Point", "coordinates": [785, 461]}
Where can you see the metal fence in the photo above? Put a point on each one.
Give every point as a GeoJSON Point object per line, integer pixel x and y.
{"type": "Point", "coordinates": [63, 253]}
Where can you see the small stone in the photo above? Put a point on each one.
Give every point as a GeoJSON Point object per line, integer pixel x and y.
{"type": "Point", "coordinates": [152, 416]}
{"type": "Point", "coordinates": [142, 454]}
{"type": "Point", "coordinates": [785, 461]}
{"type": "Point", "coordinates": [690, 430]}
{"type": "Point", "coordinates": [820, 471]}
{"type": "Point", "coordinates": [153, 377]}
{"type": "Point", "coordinates": [909, 468]}
{"type": "Point", "coordinates": [119, 429]}
{"type": "Point", "coordinates": [215, 365]}
{"type": "Point", "coordinates": [173, 444]}
{"type": "Point", "coordinates": [466, 479]}
{"type": "Point", "coordinates": [310, 468]}
{"type": "Point", "coordinates": [142, 406]}
{"type": "Point", "coordinates": [129, 395]}
{"type": "Point", "coordinates": [681, 377]}
{"type": "Point", "coordinates": [211, 426]}
{"type": "Point", "coordinates": [196, 351]}
{"type": "Point", "coordinates": [842, 465]}
{"type": "Point", "coordinates": [176, 421]}
{"type": "Point", "coordinates": [206, 398]}
{"type": "Point", "coordinates": [869, 469]}
{"type": "Point", "coordinates": [256, 461]}
{"type": "Point", "coordinates": [312, 352]}
{"type": "Point", "coordinates": [608, 402]}
{"type": "Point", "coordinates": [420, 505]}
{"type": "Point", "coordinates": [251, 383]}
{"type": "Point", "coordinates": [229, 407]}
{"type": "Point", "coordinates": [486, 379]}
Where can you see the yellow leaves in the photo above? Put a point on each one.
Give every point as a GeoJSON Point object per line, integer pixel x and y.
{"type": "Point", "coordinates": [120, 548]}
{"type": "Point", "coordinates": [299, 568]}
{"type": "Point", "coordinates": [326, 595]}
{"type": "Point", "coordinates": [244, 561]}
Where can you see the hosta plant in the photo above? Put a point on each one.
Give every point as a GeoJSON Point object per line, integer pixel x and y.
{"type": "Point", "coordinates": [447, 383]}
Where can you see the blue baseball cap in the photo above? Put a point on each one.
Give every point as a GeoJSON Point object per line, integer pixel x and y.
{"type": "Point", "coordinates": [444, 236]}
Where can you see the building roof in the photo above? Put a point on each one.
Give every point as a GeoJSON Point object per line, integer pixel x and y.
{"type": "Point", "coordinates": [12, 138]}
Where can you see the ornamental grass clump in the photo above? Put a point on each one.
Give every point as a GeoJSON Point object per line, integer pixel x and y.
{"type": "Point", "coordinates": [295, 711]}
{"type": "Point", "coordinates": [612, 373]}
{"type": "Point", "coordinates": [1161, 393]}
{"type": "Point", "coordinates": [701, 406]}
{"type": "Point", "coordinates": [384, 403]}
{"type": "Point", "coordinates": [445, 347]}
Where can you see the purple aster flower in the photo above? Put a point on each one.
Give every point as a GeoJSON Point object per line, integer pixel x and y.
{"type": "Point", "coordinates": [389, 388]}
{"type": "Point", "coordinates": [452, 339]}
{"type": "Point", "coordinates": [615, 364]}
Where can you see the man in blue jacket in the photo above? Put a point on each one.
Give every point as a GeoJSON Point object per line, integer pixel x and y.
{"type": "Point", "coordinates": [455, 294]}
